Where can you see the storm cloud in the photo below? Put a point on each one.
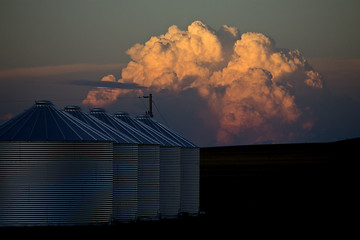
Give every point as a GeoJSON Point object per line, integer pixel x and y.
{"type": "Point", "coordinates": [256, 91]}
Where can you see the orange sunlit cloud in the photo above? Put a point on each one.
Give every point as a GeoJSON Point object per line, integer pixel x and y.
{"type": "Point", "coordinates": [248, 82]}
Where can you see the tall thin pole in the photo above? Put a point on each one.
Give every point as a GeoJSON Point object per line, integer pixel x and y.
{"type": "Point", "coordinates": [150, 112]}
{"type": "Point", "coordinates": [150, 106]}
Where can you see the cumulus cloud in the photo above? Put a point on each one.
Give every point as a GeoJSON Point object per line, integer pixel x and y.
{"type": "Point", "coordinates": [250, 101]}
{"type": "Point", "coordinates": [248, 82]}
{"type": "Point", "coordinates": [102, 96]}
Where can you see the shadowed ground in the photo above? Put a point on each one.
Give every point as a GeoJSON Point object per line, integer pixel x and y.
{"type": "Point", "coordinates": [277, 184]}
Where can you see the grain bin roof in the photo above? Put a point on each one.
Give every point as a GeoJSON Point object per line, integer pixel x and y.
{"type": "Point", "coordinates": [45, 122]}
{"type": "Point", "coordinates": [165, 130]}
{"type": "Point", "coordinates": [164, 141]}
{"type": "Point", "coordinates": [94, 122]}
{"type": "Point", "coordinates": [122, 127]}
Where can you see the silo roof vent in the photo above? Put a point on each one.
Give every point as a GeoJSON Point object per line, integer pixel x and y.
{"type": "Point", "coordinates": [43, 102]}
{"type": "Point", "coordinates": [98, 110]}
{"type": "Point", "coordinates": [72, 107]}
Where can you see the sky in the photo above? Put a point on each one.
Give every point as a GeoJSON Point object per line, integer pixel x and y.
{"type": "Point", "coordinates": [64, 50]}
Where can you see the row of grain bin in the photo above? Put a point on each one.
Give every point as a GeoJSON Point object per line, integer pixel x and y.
{"type": "Point", "coordinates": [189, 167]}
{"type": "Point", "coordinates": [76, 168]}
{"type": "Point", "coordinates": [169, 171]}
{"type": "Point", "coordinates": [125, 160]}
{"type": "Point", "coordinates": [148, 169]}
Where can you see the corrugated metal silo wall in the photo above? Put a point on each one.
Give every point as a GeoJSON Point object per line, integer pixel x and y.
{"type": "Point", "coordinates": [125, 188]}
{"type": "Point", "coordinates": [190, 180]}
{"type": "Point", "coordinates": [169, 181]}
{"type": "Point", "coordinates": [148, 182]}
{"type": "Point", "coordinates": [56, 183]}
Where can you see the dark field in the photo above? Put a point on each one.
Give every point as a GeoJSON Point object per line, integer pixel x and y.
{"type": "Point", "coordinates": [269, 185]}
{"type": "Point", "coordinates": [259, 187]}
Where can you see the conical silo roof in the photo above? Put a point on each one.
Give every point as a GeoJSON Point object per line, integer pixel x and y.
{"type": "Point", "coordinates": [99, 125]}
{"type": "Point", "coordinates": [164, 141]}
{"type": "Point", "coordinates": [45, 122]}
{"type": "Point", "coordinates": [146, 119]}
{"type": "Point", "coordinates": [122, 127]}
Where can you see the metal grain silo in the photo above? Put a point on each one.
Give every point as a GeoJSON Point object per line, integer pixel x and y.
{"type": "Point", "coordinates": [125, 165]}
{"type": "Point", "coordinates": [169, 167]}
{"type": "Point", "coordinates": [148, 165]}
{"type": "Point", "coordinates": [54, 170]}
{"type": "Point", "coordinates": [190, 166]}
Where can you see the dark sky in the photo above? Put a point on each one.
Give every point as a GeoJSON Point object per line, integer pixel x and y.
{"type": "Point", "coordinates": [52, 49]}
